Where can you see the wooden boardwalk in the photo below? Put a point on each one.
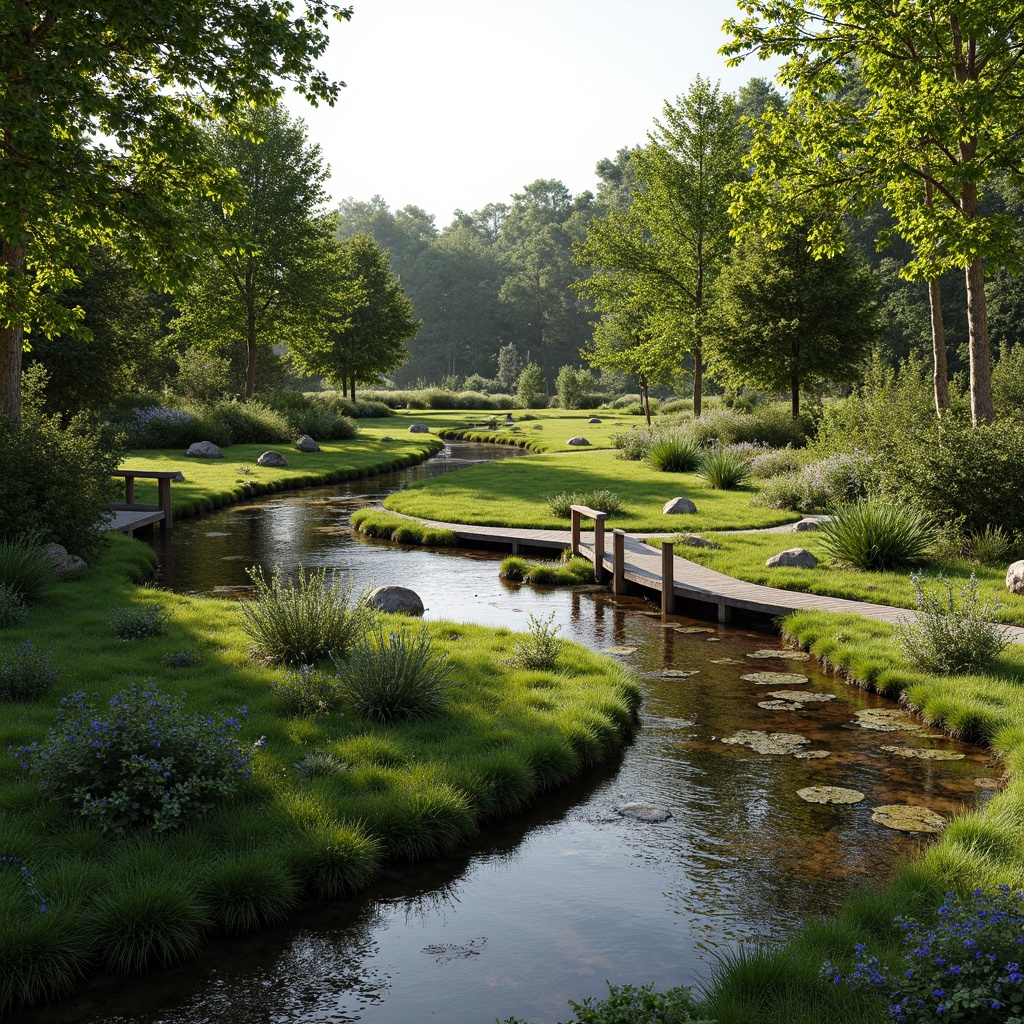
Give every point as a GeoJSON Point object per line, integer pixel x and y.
{"type": "Point", "coordinates": [691, 582]}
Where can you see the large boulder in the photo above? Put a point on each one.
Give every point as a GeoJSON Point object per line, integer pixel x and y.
{"type": "Point", "coordinates": [679, 506]}
{"type": "Point", "coordinates": [62, 561]}
{"type": "Point", "coordinates": [307, 444]}
{"type": "Point", "coordinates": [400, 600]}
{"type": "Point", "coordinates": [1015, 578]}
{"type": "Point", "coordinates": [578, 441]}
{"type": "Point", "coordinates": [806, 525]}
{"type": "Point", "coordinates": [204, 450]}
{"type": "Point", "coordinates": [419, 428]}
{"type": "Point", "coordinates": [799, 558]}
{"type": "Point", "coordinates": [273, 459]}
{"type": "Point", "coordinates": [594, 419]}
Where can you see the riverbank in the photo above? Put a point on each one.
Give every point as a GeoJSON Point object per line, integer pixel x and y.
{"type": "Point", "coordinates": [330, 799]}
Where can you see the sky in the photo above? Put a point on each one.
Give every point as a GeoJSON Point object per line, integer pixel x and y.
{"type": "Point", "coordinates": [453, 104]}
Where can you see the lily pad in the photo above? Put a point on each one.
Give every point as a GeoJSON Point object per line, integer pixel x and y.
{"type": "Point", "coordinates": [644, 812]}
{"type": "Point", "coordinates": [784, 655]}
{"type": "Point", "coordinates": [908, 818]}
{"type": "Point", "coordinates": [768, 742]}
{"type": "Point", "coordinates": [727, 661]}
{"type": "Point", "coordinates": [779, 705]}
{"type": "Point", "coordinates": [924, 753]}
{"type": "Point", "coordinates": [775, 678]}
{"type": "Point", "coordinates": [619, 649]}
{"type": "Point", "coordinates": [803, 696]}
{"type": "Point", "coordinates": [712, 639]}
{"type": "Point", "coordinates": [693, 629]}
{"type": "Point", "coordinates": [885, 720]}
{"type": "Point", "coordinates": [812, 755]}
{"type": "Point", "coordinates": [679, 673]}
{"type": "Point", "coordinates": [830, 795]}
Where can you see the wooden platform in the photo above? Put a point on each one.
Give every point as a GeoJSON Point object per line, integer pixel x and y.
{"type": "Point", "coordinates": [130, 515]}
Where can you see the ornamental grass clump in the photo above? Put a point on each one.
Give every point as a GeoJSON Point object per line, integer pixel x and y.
{"type": "Point", "coordinates": [724, 469]}
{"type": "Point", "coordinates": [139, 762]}
{"type": "Point", "coordinates": [25, 567]}
{"type": "Point", "coordinates": [966, 967]}
{"type": "Point", "coordinates": [873, 535]}
{"type": "Point", "coordinates": [12, 607]}
{"type": "Point", "coordinates": [304, 622]}
{"type": "Point", "coordinates": [952, 633]}
{"type": "Point", "coordinates": [601, 501]}
{"type": "Point", "coordinates": [26, 673]}
{"type": "Point", "coordinates": [538, 649]}
{"type": "Point", "coordinates": [674, 453]}
{"type": "Point", "coordinates": [394, 676]}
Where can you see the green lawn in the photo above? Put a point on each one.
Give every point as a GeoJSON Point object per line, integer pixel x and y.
{"type": "Point", "coordinates": [744, 555]}
{"type": "Point", "coordinates": [514, 492]}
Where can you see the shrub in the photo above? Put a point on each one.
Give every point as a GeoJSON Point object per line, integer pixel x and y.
{"type": "Point", "coordinates": [182, 659]}
{"type": "Point", "coordinates": [599, 501]}
{"type": "Point", "coordinates": [137, 623]}
{"type": "Point", "coordinates": [142, 761]}
{"type": "Point", "coordinates": [26, 673]}
{"type": "Point", "coordinates": [304, 622]}
{"type": "Point", "coordinates": [25, 567]}
{"type": "Point", "coordinates": [394, 676]}
{"type": "Point", "coordinates": [991, 546]}
{"type": "Point", "coordinates": [252, 422]}
{"type": "Point", "coordinates": [157, 426]}
{"type": "Point", "coordinates": [12, 607]}
{"type": "Point", "coordinates": [630, 1005]}
{"type": "Point", "coordinates": [836, 480]}
{"type": "Point", "coordinates": [767, 463]}
{"type": "Point", "coordinates": [964, 968]}
{"type": "Point", "coordinates": [952, 634]}
{"type": "Point", "coordinates": [873, 535]}
{"type": "Point", "coordinates": [633, 444]}
{"type": "Point", "coordinates": [724, 470]}
{"type": "Point", "coordinates": [674, 454]}
{"type": "Point", "coordinates": [309, 692]}
{"type": "Point", "coordinates": [202, 376]}
{"type": "Point", "coordinates": [537, 649]}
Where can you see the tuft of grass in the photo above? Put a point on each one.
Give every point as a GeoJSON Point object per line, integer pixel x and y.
{"type": "Point", "coordinates": [319, 764]}
{"type": "Point", "coordinates": [373, 522]}
{"type": "Point", "coordinates": [12, 607]}
{"type": "Point", "coordinates": [308, 691]}
{"type": "Point", "coordinates": [554, 761]}
{"type": "Point", "coordinates": [674, 454]}
{"type": "Point", "coordinates": [394, 676]}
{"type": "Point", "coordinates": [724, 470]}
{"type": "Point", "coordinates": [304, 622]}
{"type": "Point", "coordinates": [26, 673]}
{"type": "Point", "coordinates": [41, 956]}
{"type": "Point", "coordinates": [600, 501]}
{"type": "Point", "coordinates": [504, 782]}
{"type": "Point", "coordinates": [25, 568]}
{"type": "Point", "coordinates": [873, 535]}
{"type": "Point", "coordinates": [991, 546]}
{"type": "Point", "coordinates": [248, 891]}
{"type": "Point", "coordinates": [138, 623]}
{"type": "Point", "coordinates": [539, 648]}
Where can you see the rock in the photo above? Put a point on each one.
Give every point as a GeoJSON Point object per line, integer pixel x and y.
{"type": "Point", "coordinates": [578, 441]}
{"type": "Point", "coordinates": [594, 419]}
{"type": "Point", "coordinates": [644, 812]}
{"type": "Point", "coordinates": [806, 524]}
{"type": "Point", "coordinates": [204, 450]}
{"type": "Point", "coordinates": [307, 444]}
{"type": "Point", "coordinates": [768, 742]}
{"type": "Point", "coordinates": [387, 437]}
{"type": "Point", "coordinates": [400, 600]}
{"type": "Point", "coordinates": [908, 818]}
{"type": "Point", "coordinates": [62, 561]}
{"type": "Point", "coordinates": [274, 459]}
{"type": "Point", "coordinates": [678, 506]}
{"type": "Point", "coordinates": [179, 477]}
{"type": "Point", "coordinates": [693, 541]}
{"type": "Point", "coordinates": [787, 654]}
{"type": "Point", "coordinates": [800, 558]}
{"type": "Point", "coordinates": [1015, 578]}
{"type": "Point", "coordinates": [419, 428]}
{"type": "Point", "coordinates": [830, 795]}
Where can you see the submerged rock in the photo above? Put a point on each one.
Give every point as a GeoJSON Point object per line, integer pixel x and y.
{"type": "Point", "coordinates": [803, 696]}
{"type": "Point", "coordinates": [830, 795]}
{"type": "Point", "coordinates": [691, 629]}
{"type": "Point", "coordinates": [774, 678]}
{"type": "Point", "coordinates": [885, 720]}
{"type": "Point", "coordinates": [619, 649]}
{"type": "Point", "coordinates": [789, 654]}
{"type": "Point", "coordinates": [779, 705]}
{"type": "Point", "coordinates": [924, 753]}
{"type": "Point", "coordinates": [679, 673]}
{"type": "Point", "coordinates": [908, 818]}
{"type": "Point", "coordinates": [812, 755]}
{"type": "Point", "coordinates": [768, 742]}
{"type": "Point", "coordinates": [644, 812]}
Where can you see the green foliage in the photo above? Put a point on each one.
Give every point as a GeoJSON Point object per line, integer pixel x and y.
{"type": "Point", "coordinates": [628, 1004]}
{"type": "Point", "coordinates": [55, 479]}
{"type": "Point", "coordinates": [26, 673]}
{"type": "Point", "coordinates": [251, 422]}
{"type": "Point", "coordinates": [388, 526]}
{"type": "Point", "coordinates": [202, 376]}
{"type": "Point", "coordinates": [142, 762]}
{"type": "Point", "coordinates": [600, 501]}
{"type": "Point", "coordinates": [772, 425]}
{"type": "Point", "coordinates": [1008, 381]}
{"type": "Point", "coordinates": [182, 659]}
{"type": "Point", "coordinates": [724, 469]}
{"type": "Point", "coordinates": [964, 967]}
{"type": "Point", "coordinates": [435, 398]}
{"type": "Point", "coordinates": [394, 676]}
{"type": "Point", "coordinates": [876, 535]}
{"type": "Point", "coordinates": [835, 480]}
{"type": "Point", "coordinates": [309, 692]}
{"type": "Point", "coordinates": [156, 426]}
{"type": "Point", "coordinates": [952, 633]}
{"type": "Point", "coordinates": [573, 387]}
{"type": "Point", "coordinates": [249, 890]}
{"type": "Point", "coordinates": [138, 623]}
{"type": "Point", "coordinates": [25, 567]}
{"type": "Point", "coordinates": [573, 572]}
{"type": "Point", "coordinates": [304, 622]}
{"type": "Point", "coordinates": [530, 387]}
{"type": "Point", "coordinates": [633, 444]}
{"type": "Point", "coordinates": [673, 453]}
{"type": "Point", "coordinates": [12, 607]}
{"type": "Point", "coordinates": [991, 546]}
{"type": "Point", "coordinates": [538, 649]}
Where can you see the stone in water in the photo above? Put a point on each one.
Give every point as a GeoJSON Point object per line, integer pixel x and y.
{"type": "Point", "coordinates": [779, 705]}
{"type": "Point", "coordinates": [644, 812]}
{"type": "Point", "coordinates": [774, 678]}
{"type": "Point", "coordinates": [679, 673]}
{"type": "Point", "coordinates": [768, 742]}
{"type": "Point", "coordinates": [924, 753]}
{"type": "Point", "coordinates": [830, 795]}
{"type": "Point", "coordinates": [908, 818]}
{"type": "Point", "coordinates": [619, 649]}
{"type": "Point", "coordinates": [786, 655]}
{"type": "Point", "coordinates": [803, 696]}
{"type": "Point", "coordinates": [812, 755]}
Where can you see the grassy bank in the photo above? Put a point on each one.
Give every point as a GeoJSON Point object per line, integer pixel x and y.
{"type": "Point", "coordinates": [210, 483]}
{"type": "Point", "coordinates": [330, 798]}
{"type": "Point", "coordinates": [743, 556]}
{"type": "Point", "coordinates": [514, 493]}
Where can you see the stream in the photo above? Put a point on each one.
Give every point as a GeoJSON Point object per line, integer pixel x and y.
{"type": "Point", "coordinates": [547, 905]}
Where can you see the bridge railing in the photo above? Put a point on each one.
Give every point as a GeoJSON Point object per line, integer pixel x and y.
{"type": "Point", "coordinates": [577, 514]}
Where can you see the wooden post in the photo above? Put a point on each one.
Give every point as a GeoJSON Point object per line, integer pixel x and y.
{"type": "Point", "coordinates": [574, 543]}
{"type": "Point", "coordinates": [724, 611]}
{"type": "Point", "coordinates": [164, 499]}
{"type": "Point", "coordinates": [599, 518]}
{"type": "Point", "coordinates": [668, 597]}
{"type": "Point", "coordinates": [129, 490]}
{"type": "Point", "coordinates": [618, 561]}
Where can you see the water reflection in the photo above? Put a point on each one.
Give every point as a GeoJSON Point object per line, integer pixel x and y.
{"type": "Point", "coordinates": [548, 905]}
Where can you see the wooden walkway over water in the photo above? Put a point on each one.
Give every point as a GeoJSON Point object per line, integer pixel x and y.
{"type": "Point", "coordinates": [642, 570]}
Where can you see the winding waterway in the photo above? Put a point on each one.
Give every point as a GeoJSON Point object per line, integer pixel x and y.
{"type": "Point", "coordinates": [546, 906]}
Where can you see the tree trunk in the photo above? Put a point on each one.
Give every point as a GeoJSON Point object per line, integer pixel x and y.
{"type": "Point", "coordinates": [12, 338]}
{"type": "Point", "coordinates": [698, 379]}
{"type": "Point", "coordinates": [982, 407]}
{"type": "Point", "coordinates": [645, 399]}
{"type": "Point", "coordinates": [794, 388]}
{"type": "Point", "coordinates": [940, 375]}
{"type": "Point", "coordinates": [250, 337]}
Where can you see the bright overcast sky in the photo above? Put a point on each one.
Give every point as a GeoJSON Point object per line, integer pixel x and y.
{"type": "Point", "coordinates": [458, 103]}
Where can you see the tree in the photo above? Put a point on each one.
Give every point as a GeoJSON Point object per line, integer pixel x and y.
{"type": "Point", "coordinates": [937, 121]}
{"type": "Point", "coordinates": [510, 365]}
{"type": "Point", "coordinates": [784, 319]}
{"type": "Point", "coordinates": [377, 320]}
{"type": "Point", "coordinates": [530, 386]}
{"type": "Point", "coordinates": [269, 265]}
{"type": "Point", "coordinates": [671, 241]}
{"type": "Point", "coordinates": [98, 105]}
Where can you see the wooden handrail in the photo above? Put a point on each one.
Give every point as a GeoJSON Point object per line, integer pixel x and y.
{"type": "Point", "coordinates": [163, 478]}
{"type": "Point", "coordinates": [576, 513]}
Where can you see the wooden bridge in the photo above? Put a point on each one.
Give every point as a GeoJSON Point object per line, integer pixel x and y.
{"type": "Point", "coordinates": [129, 515]}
